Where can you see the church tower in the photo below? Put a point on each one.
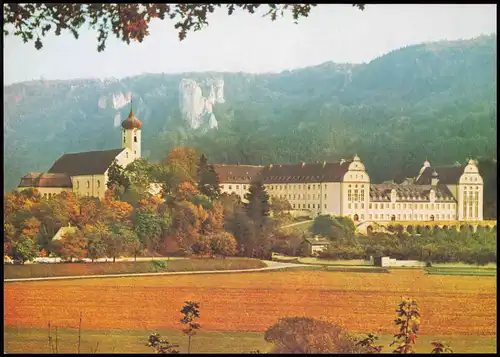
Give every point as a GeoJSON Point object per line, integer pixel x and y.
{"type": "Point", "coordinates": [131, 136]}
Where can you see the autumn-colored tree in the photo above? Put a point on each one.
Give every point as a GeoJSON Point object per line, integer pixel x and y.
{"type": "Point", "coordinates": [191, 312]}
{"type": "Point", "coordinates": [185, 191]}
{"type": "Point", "coordinates": [9, 238]}
{"type": "Point", "coordinates": [202, 245]}
{"type": "Point", "coordinates": [31, 228]}
{"type": "Point", "coordinates": [117, 211]}
{"type": "Point", "coordinates": [223, 244]}
{"type": "Point", "coordinates": [126, 21]}
{"type": "Point", "coordinates": [71, 245]}
{"type": "Point", "coordinates": [215, 220]}
{"type": "Point", "coordinates": [185, 161]}
{"type": "Point", "coordinates": [89, 211]}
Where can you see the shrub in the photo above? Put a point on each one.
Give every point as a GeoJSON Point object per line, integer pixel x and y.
{"type": "Point", "coordinates": [159, 265]}
{"type": "Point", "coordinates": [307, 335]}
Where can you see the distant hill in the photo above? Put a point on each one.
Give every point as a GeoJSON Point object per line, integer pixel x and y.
{"type": "Point", "coordinates": [435, 101]}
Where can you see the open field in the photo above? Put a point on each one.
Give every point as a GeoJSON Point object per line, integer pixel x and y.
{"type": "Point", "coordinates": [71, 269]}
{"type": "Point", "coordinates": [252, 302]}
{"type": "Point", "coordinates": [33, 340]}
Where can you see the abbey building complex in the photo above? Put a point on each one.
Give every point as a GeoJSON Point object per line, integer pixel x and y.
{"type": "Point", "coordinates": [449, 193]}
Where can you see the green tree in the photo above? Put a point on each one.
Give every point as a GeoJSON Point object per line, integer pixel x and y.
{"type": "Point", "coordinates": [130, 21]}
{"type": "Point", "coordinates": [117, 176]}
{"type": "Point", "coordinates": [191, 312]}
{"type": "Point", "coordinates": [24, 249]}
{"type": "Point", "coordinates": [208, 179]}
{"type": "Point", "coordinates": [323, 226]}
{"type": "Point", "coordinates": [96, 240]}
{"type": "Point", "coordinates": [257, 207]}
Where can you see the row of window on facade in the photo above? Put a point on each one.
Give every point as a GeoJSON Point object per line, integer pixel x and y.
{"type": "Point", "coordinates": [50, 195]}
{"type": "Point", "coordinates": [297, 187]}
{"type": "Point", "coordinates": [299, 197]}
{"type": "Point", "coordinates": [407, 217]}
{"type": "Point", "coordinates": [297, 206]}
{"type": "Point", "coordinates": [98, 183]}
{"type": "Point", "coordinates": [230, 187]}
{"type": "Point", "coordinates": [410, 205]}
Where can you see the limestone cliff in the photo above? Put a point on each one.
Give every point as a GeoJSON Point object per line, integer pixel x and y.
{"type": "Point", "coordinates": [197, 109]}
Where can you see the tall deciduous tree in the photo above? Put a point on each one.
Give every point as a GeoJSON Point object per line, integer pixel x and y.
{"type": "Point", "coordinates": [129, 22]}
{"type": "Point", "coordinates": [223, 244]}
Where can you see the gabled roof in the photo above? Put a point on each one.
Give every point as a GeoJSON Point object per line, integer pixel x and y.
{"type": "Point", "coordinates": [46, 180]}
{"type": "Point", "coordinates": [409, 193]}
{"type": "Point", "coordinates": [62, 231]}
{"type": "Point", "coordinates": [317, 241]}
{"type": "Point", "coordinates": [85, 163]}
{"type": "Point", "coordinates": [238, 173]}
{"type": "Point", "coordinates": [304, 172]}
{"type": "Point", "coordinates": [448, 175]}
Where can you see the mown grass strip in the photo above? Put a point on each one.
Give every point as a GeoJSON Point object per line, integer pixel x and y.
{"type": "Point", "coordinates": [78, 269]}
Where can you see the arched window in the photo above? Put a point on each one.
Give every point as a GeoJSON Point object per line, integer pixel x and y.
{"type": "Point", "coordinates": [135, 139]}
{"type": "Point", "coordinates": [124, 139]}
{"type": "Point", "coordinates": [356, 218]}
{"type": "Point", "coordinates": [44, 195]}
{"type": "Point", "coordinates": [88, 184]}
{"type": "Point", "coordinates": [98, 183]}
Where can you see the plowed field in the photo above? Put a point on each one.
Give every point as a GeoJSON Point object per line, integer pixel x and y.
{"type": "Point", "coordinates": [361, 302]}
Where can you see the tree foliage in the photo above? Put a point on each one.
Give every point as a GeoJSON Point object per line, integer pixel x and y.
{"type": "Point", "coordinates": [126, 21]}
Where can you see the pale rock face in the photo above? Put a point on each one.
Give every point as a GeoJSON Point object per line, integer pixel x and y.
{"type": "Point", "coordinates": [195, 108]}
{"type": "Point", "coordinates": [102, 102]}
{"type": "Point", "coordinates": [120, 100]}
{"type": "Point", "coordinates": [117, 121]}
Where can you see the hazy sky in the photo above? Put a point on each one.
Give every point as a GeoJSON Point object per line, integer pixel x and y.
{"type": "Point", "coordinates": [250, 43]}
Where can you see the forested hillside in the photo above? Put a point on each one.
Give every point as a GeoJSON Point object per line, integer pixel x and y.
{"type": "Point", "coordinates": [434, 101]}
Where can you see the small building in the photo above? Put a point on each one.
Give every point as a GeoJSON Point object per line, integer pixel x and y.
{"type": "Point", "coordinates": [62, 231]}
{"type": "Point", "coordinates": [316, 244]}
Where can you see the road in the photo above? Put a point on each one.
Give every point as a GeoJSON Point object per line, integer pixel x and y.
{"type": "Point", "coordinates": [296, 224]}
{"type": "Point", "coordinates": [270, 266]}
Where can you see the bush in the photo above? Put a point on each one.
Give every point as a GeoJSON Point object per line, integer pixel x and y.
{"type": "Point", "coordinates": [159, 264]}
{"type": "Point", "coordinates": [306, 335]}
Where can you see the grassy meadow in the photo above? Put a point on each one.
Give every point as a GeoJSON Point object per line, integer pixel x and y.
{"type": "Point", "coordinates": [152, 266]}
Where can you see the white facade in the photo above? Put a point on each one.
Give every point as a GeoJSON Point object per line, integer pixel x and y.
{"type": "Point", "coordinates": [354, 196]}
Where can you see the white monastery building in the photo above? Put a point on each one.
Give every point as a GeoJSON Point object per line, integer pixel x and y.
{"type": "Point", "coordinates": [344, 189]}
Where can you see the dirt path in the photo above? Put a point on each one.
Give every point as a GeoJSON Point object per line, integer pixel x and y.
{"type": "Point", "coordinates": [270, 266]}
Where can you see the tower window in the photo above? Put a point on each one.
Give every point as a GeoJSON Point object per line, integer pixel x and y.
{"type": "Point", "coordinates": [126, 154]}
{"type": "Point", "coordinates": [88, 184]}
{"type": "Point", "coordinates": [124, 139]}
{"type": "Point", "coordinates": [135, 139]}
{"type": "Point", "coordinates": [98, 183]}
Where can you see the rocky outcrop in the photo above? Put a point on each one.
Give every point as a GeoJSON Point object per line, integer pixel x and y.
{"type": "Point", "coordinates": [197, 109]}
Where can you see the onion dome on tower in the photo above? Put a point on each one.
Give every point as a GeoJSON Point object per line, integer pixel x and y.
{"type": "Point", "coordinates": [131, 122]}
